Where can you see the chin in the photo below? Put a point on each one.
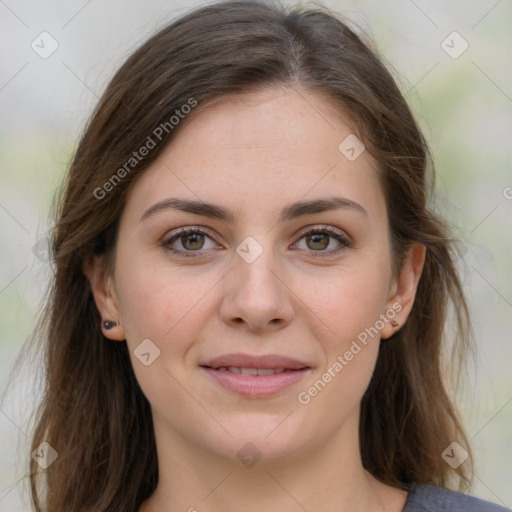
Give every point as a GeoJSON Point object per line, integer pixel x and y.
{"type": "Point", "coordinates": [268, 439]}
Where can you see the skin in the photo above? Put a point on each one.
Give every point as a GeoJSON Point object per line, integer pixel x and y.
{"type": "Point", "coordinates": [254, 154]}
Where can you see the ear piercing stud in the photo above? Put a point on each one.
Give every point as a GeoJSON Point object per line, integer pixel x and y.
{"type": "Point", "coordinates": [108, 324]}
{"type": "Point", "coordinates": [394, 323]}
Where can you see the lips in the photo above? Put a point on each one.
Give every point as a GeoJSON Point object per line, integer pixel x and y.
{"type": "Point", "coordinates": [255, 376]}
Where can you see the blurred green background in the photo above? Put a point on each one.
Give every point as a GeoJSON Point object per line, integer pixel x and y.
{"type": "Point", "coordinates": [464, 105]}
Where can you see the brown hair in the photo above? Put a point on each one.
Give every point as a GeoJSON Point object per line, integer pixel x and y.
{"type": "Point", "coordinates": [93, 412]}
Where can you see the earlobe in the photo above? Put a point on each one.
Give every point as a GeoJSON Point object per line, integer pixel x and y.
{"type": "Point", "coordinates": [104, 297]}
{"type": "Point", "coordinates": [113, 330]}
{"type": "Point", "coordinates": [404, 291]}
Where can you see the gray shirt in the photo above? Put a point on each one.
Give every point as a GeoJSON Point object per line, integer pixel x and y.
{"type": "Point", "coordinates": [430, 498]}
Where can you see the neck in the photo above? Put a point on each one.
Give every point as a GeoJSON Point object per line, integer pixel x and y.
{"type": "Point", "coordinates": [331, 479]}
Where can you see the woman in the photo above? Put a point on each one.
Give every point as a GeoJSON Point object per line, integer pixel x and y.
{"type": "Point", "coordinates": [250, 286]}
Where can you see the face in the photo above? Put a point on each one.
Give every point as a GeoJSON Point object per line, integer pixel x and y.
{"type": "Point", "coordinates": [267, 287]}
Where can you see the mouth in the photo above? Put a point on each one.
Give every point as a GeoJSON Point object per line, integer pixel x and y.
{"type": "Point", "coordinates": [255, 376]}
{"type": "Point", "coordinates": [253, 371]}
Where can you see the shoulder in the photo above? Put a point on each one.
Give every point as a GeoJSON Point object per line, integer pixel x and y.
{"type": "Point", "coordinates": [430, 498]}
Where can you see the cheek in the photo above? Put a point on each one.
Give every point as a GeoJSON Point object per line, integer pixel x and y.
{"type": "Point", "coordinates": [165, 306]}
{"type": "Point", "coordinates": [348, 300]}
{"type": "Point", "coordinates": [348, 306]}
{"type": "Point", "coordinates": [159, 302]}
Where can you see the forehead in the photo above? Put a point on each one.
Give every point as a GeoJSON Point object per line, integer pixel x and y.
{"type": "Point", "coordinates": [266, 148]}
{"type": "Point", "coordinates": [274, 118]}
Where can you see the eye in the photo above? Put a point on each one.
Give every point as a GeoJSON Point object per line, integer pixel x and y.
{"type": "Point", "coordinates": [191, 240]}
{"type": "Point", "coordinates": [319, 238]}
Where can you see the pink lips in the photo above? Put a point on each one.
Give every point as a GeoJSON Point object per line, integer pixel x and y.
{"type": "Point", "coordinates": [269, 374]}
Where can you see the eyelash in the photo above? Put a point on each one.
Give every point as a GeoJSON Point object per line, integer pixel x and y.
{"type": "Point", "coordinates": [345, 244]}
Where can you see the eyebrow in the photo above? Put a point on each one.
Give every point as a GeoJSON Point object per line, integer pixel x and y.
{"type": "Point", "coordinates": [290, 212]}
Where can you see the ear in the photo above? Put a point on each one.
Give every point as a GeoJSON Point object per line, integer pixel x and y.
{"type": "Point", "coordinates": [403, 290]}
{"type": "Point", "coordinates": [102, 286]}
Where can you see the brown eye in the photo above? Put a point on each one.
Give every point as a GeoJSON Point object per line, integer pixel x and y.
{"type": "Point", "coordinates": [193, 241]}
{"type": "Point", "coordinates": [317, 241]}
{"type": "Point", "coordinates": [187, 241]}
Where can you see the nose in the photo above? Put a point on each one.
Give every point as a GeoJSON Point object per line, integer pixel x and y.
{"type": "Point", "coordinates": [256, 296]}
